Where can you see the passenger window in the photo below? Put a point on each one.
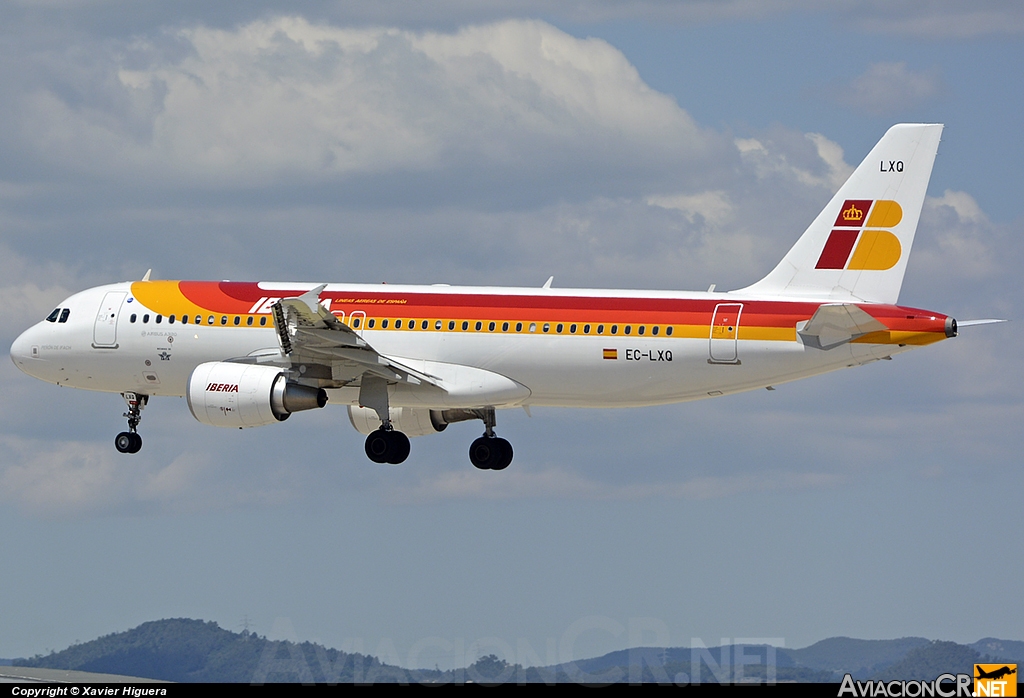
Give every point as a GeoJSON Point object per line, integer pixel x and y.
{"type": "Point", "coordinates": [629, 329]}
{"type": "Point", "coordinates": [600, 329]}
{"type": "Point", "coordinates": [504, 327]}
{"type": "Point", "coordinates": [223, 319]}
{"type": "Point", "coordinates": [479, 325]}
{"type": "Point", "coordinates": [371, 323]}
{"type": "Point", "coordinates": [263, 321]}
{"type": "Point", "coordinates": [248, 321]}
{"type": "Point", "coordinates": [238, 320]}
{"type": "Point", "coordinates": [64, 315]}
{"type": "Point", "coordinates": [383, 324]}
{"type": "Point", "coordinates": [558, 329]}
{"type": "Point", "coordinates": [519, 327]}
{"type": "Point", "coordinates": [398, 324]}
{"type": "Point", "coordinates": [465, 325]}
{"type": "Point", "coordinates": [437, 324]}
{"type": "Point", "coordinates": [533, 327]}
{"type": "Point", "coordinates": [199, 320]}
{"type": "Point", "coordinates": [52, 317]}
{"type": "Point", "coordinates": [451, 324]}
{"type": "Point", "coordinates": [184, 319]}
{"type": "Point", "coordinates": [490, 327]}
{"type": "Point", "coordinates": [210, 320]}
{"type": "Point", "coordinates": [170, 320]}
{"type": "Point", "coordinates": [572, 329]}
{"type": "Point", "coordinates": [355, 322]}
{"type": "Point", "coordinates": [547, 326]}
{"type": "Point", "coordinates": [145, 318]}
{"type": "Point", "coordinates": [159, 318]}
{"type": "Point", "coordinates": [668, 331]}
{"type": "Point", "coordinates": [425, 324]}
{"type": "Point", "coordinates": [615, 329]}
{"type": "Point", "coordinates": [132, 318]}
{"type": "Point", "coordinates": [654, 330]}
{"type": "Point", "coordinates": [586, 329]}
{"type": "Point", "coordinates": [640, 330]}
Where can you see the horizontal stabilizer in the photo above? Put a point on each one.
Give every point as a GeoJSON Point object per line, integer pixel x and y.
{"type": "Point", "coordinates": [835, 324]}
{"type": "Point", "coordinates": [986, 321]}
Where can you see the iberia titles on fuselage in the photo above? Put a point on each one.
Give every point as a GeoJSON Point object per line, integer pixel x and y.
{"type": "Point", "coordinates": [409, 360]}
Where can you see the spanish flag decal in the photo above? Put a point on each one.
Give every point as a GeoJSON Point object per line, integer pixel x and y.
{"type": "Point", "coordinates": [611, 353]}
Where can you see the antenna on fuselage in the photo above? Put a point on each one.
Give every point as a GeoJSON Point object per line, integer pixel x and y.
{"type": "Point", "coordinates": [146, 276]}
{"type": "Point", "coordinates": [547, 284]}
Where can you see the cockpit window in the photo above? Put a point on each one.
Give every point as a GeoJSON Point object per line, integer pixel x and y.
{"type": "Point", "coordinates": [64, 315]}
{"type": "Point", "coordinates": [52, 317]}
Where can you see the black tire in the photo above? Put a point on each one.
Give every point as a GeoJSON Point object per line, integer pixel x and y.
{"type": "Point", "coordinates": [123, 442]}
{"type": "Point", "coordinates": [378, 446]}
{"type": "Point", "coordinates": [484, 452]}
{"type": "Point", "coordinates": [506, 455]}
{"type": "Point", "coordinates": [399, 447]}
{"type": "Point", "coordinates": [136, 443]}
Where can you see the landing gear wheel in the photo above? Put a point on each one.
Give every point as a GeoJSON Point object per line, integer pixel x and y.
{"type": "Point", "coordinates": [506, 455]}
{"type": "Point", "coordinates": [490, 453]}
{"type": "Point", "coordinates": [130, 441]}
{"type": "Point", "coordinates": [387, 447]}
{"type": "Point", "coordinates": [399, 447]}
{"type": "Point", "coordinates": [377, 446]}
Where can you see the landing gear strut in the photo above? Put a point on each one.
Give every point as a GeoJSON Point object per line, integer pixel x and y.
{"type": "Point", "coordinates": [130, 441]}
{"type": "Point", "coordinates": [490, 452]}
{"type": "Point", "coordinates": [386, 445]}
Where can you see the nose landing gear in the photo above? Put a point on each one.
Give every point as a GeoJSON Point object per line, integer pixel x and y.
{"type": "Point", "coordinates": [130, 441]}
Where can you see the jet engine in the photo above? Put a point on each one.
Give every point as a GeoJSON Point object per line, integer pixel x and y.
{"type": "Point", "coordinates": [411, 421]}
{"type": "Point", "coordinates": [244, 395]}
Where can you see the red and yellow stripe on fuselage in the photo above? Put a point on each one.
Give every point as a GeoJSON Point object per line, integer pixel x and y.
{"type": "Point", "coordinates": [231, 303]}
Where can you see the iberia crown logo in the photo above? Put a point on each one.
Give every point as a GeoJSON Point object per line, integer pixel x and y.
{"type": "Point", "coordinates": [876, 250]}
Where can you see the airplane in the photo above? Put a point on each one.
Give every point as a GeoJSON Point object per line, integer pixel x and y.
{"type": "Point", "coordinates": [996, 673]}
{"type": "Point", "coordinates": [410, 360]}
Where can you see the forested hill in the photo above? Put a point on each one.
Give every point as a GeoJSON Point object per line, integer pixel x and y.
{"type": "Point", "coordinates": [180, 649]}
{"type": "Point", "coordinates": [186, 650]}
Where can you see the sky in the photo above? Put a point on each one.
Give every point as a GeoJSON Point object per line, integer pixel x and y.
{"type": "Point", "coordinates": [642, 144]}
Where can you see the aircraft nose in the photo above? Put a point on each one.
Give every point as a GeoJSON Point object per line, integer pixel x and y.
{"type": "Point", "coordinates": [21, 351]}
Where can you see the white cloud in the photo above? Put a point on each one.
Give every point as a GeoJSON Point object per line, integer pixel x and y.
{"type": "Point", "coordinates": [559, 483]}
{"type": "Point", "coordinates": [888, 88]}
{"type": "Point", "coordinates": [958, 240]}
{"type": "Point", "coordinates": [285, 98]}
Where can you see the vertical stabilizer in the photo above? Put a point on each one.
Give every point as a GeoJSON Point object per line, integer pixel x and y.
{"type": "Point", "coordinates": [858, 246]}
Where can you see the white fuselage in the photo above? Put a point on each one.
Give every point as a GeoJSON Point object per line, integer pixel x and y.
{"type": "Point", "coordinates": [557, 369]}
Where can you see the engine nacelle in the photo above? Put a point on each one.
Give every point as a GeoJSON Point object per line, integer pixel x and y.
{"type": "Point", "coordinates": [245, 395]}
{"type": "Point", "coordinates": [409, 421]}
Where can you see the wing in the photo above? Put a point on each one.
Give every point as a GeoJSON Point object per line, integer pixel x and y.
{"type": "Point", "coordinates": [311, 336]}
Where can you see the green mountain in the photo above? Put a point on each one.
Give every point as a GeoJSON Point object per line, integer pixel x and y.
{"type": "Point", "coordinates": [928, 662]}
{"type": "Point", "coordinates": [180, 649]}
{"type": "Point", "coordinates": [861, 658]}
{"type": "Point", "coordinates": [185, 650]}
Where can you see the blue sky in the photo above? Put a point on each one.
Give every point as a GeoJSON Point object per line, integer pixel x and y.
{"type": "Point", "coordinates": [500, 143]}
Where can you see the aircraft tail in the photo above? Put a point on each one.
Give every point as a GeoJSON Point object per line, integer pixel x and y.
{"type": "Point", "coordinates": [856, 250]}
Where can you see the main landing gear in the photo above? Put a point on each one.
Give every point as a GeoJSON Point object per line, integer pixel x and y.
{"type": "Point", "coordinates": [386, 445]}
{"type": "Point", "coordinates": [130, 441]}
{"type": "Point", "coordinates": [490, 452]}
